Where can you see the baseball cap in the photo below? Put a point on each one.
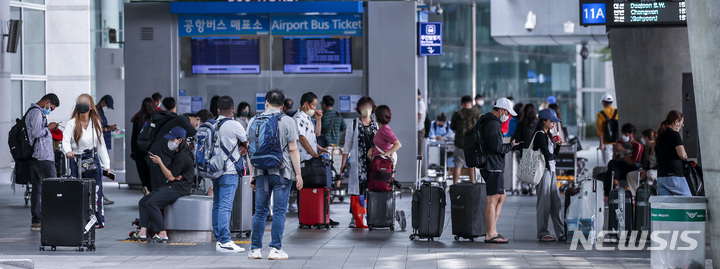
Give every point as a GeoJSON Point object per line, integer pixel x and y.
{"type": "Point", "coordinates": [549, 114]}
{"type": "Point", "coordinates": [175, 133]}
{"type": "Point", "coordinates": [607, 98]}
{"type": "Point", "coordinates": [551, 99]}
{"type": "Point", "coordinates": [109, 101]}
{"type": "Point", "coordinates": [506, 104]}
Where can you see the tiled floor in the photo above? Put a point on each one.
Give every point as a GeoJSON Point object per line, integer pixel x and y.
{"type": "Point", "coordinates": [336, 248]}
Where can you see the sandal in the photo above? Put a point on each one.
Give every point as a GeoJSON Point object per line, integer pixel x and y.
{"type": "Point", "coordinates": [497, 240]}
{"type": "Point", "coordinates": [547, 238]}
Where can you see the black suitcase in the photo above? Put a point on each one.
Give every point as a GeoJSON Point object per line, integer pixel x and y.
{"type": "Point", "coordinates": [621, 212]}
{"type": "Point", "coordinates": [428, 211]}
{"type": "Point", "coordinates": [68, 213]}
{"type": "Point", "coordinates": [381, 210]}
{"type": "Point", "coordinates": [467, 210]}
{"type": "Point", "coordinates": [642, 207]}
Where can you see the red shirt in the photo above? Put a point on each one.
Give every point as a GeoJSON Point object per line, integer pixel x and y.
{"type": "Point", "coordinates": [635, 150]}
{"type": "Point", "coordinates": [505, 125]}
{"type": "Point", "coordinates": [384, 139]}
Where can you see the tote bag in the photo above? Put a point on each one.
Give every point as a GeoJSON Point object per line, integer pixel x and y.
{"type": "Point", "coordinates": [532, 165]}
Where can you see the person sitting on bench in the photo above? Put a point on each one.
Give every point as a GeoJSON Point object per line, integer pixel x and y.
{"type": "Point", "coordinates": [179, 181]}
{"type": "Point", "coordinates": [627, 157]}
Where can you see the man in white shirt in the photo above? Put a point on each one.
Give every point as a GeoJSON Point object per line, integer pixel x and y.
{"type": "Point", "coordinates": [233, 138]}
{"type": "Point", "coordinates": [308, 131]}
{"type": "Point", "coordinates": [422, 113]}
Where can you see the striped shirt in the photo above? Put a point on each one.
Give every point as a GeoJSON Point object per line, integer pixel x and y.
{"type": "Point", "coordinates": [332, 124]}
{"type": "Point", "coordinates": [39, 134]}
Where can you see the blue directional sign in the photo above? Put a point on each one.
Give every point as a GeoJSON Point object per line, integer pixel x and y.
{"type": "Point", "coordinates": [593, 13]}
{"type": "Point", "coordinates": [430, 38]}
{"type": "Point", "coordinates": [210, 25]}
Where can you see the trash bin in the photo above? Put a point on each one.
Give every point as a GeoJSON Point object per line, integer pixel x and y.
{"type": "Point", "coordinates": [678, 224]}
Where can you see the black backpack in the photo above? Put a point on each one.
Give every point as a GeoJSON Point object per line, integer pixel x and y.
{"type": "Point", "coordinates": [427, 126]}
{"type": "Point", "coordinates": [473, 149]}
{"type": "Point", "coordinates": [150, 128]}
{"type": "Point", "coordinates": [611, 128]}
{"type": "Point", "coordinates": [19, 141]}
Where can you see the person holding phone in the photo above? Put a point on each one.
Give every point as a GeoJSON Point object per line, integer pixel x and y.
{"type": "Point", "coordinates": [84, 142]}
{"type": "Point", "coordinates": [179, 182]}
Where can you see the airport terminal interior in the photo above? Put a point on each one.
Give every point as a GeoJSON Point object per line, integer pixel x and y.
{"type": "Point", "coordinates": [359, 134]}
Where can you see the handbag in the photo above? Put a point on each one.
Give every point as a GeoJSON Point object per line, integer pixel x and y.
{"type": "Point", "coordinates": [532, 165]}
{"type": "Point", "coordinates": [694, 178]}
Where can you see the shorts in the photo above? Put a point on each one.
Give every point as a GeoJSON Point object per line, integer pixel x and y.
{"type": "Point", "coordinates": [459, 156]}
{"type": "Point", "coordinates": [494, 181]}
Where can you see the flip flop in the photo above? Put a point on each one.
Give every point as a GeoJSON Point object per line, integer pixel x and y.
{"type": "Point", "coordinates": [547, 238]}
{"type": "Point", "coordinates": [494, 240]}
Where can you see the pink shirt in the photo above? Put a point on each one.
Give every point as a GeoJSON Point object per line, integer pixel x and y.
{"type": "Point", "coordinates": [383, 139]}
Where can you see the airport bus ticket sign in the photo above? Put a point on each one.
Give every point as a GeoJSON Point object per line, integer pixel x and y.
{"type": "Point", "coordinates": [430, 38]}
{"type": "Point", "coordinates": [213, 25]}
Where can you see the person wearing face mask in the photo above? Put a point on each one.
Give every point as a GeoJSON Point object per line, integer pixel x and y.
{"type": "Point", "coordinates": [358, 141]}
{"type": "Point", "coordinates": [83, 140]}
{"type": "Point", "coordinates": [179, 182]}
{"type": "Point", "coordinates": [479, 103]}
{"type": "Point", "coordinates": [627, 157]}
{"type": "Point", "coordinates": [42, 163]}
{"type": "Point", "coordinates": [332, 122]}
{"type": "Point", "coordinates": [287, 107]}
{"type": "Point", "coordinates": [670, 156]}
{"type": "Point", "coordinates": [106, 103]}
{"type": "Point", "coordinates": [548, 196]}
{"type": "Point", "coordinates": [440, 128]}
{"type": "Point", "coordinates": [649, 162]}
{"type": "Point", "coordinates": [243, 114]}
{"type": "Point", "coordinates": [493, 170]}
{"type": "Point", "coordinates": [462, 121]}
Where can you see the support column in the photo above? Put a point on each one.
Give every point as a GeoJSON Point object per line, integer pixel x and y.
{"type": "Point", "coordinates": [5, 120]}
{"type": "Point", "coordinates": [703, 20]}
{"type": "Point", "coordinates": [648, 64]}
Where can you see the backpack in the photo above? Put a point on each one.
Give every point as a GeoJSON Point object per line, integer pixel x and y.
{"type": "Point", "coordinates": [150, 128]}
{"type": "Point", "coordinates": [381, 170]}
{"type": "Point", "coordinates": [473, 149]}
{"type": "Point", "coordinates": [611, 128]}
{"type": "Point", "coordinates": [210, 154]}
{"type": "Point", "coordinates": [266, 152]}
{"type": "Point", "coordinates": [427, 126]}
{"type": "Point", "coordinates": [19, 142]}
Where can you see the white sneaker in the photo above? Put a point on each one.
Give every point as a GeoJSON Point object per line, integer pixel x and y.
{"type": "Point", "coordinates": [255, 254]}
{"type": "Point", "coordinates": [229, 247]}
{"type": "Point", "coordinates": [277, 254]}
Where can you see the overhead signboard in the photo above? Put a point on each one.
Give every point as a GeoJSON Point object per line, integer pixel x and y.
{"type": "Point", "coordinates": [620, 13]}
{"type": "Point", "coordinates": [344, 25]}
{"type": "Point", "coordinates": [429, 38]}
{"type": "Point", "coordinates": [213, 25]}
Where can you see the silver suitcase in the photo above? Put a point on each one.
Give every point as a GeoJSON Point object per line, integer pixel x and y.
{"type": "Point", "coordinates": [242, 211]}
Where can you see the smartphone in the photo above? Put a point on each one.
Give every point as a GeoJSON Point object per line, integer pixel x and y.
{"type": "Point", "coordinates": [111, 176]}
{"type": "Point", "coordinates": [520, 142]}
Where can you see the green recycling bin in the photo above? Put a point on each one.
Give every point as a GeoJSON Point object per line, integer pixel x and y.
{"type": "Point", "coordinates": [678, 226]}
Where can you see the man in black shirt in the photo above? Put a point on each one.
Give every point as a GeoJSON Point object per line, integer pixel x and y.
{"type": "Point", "coordinates": [178, 183]}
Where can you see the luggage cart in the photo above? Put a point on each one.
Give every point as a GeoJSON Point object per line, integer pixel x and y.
{"type": "Point", "coordinates": [566, 166]}
{"type": "Point", "coordinates": [117, 156]}
{"type": "Point", "coordinates": [436, 161]}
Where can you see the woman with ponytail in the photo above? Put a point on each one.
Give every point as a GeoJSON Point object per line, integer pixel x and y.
{"type": "Point", "coordinates": [670, 156]}
{"type": "Point", "coordinates": [83, 141]}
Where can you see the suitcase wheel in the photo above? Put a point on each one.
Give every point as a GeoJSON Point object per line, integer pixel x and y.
{"type": "Point", "coordinates": [370, 227]}
{"type": "Point", "coordinates": [52, 248]}
{"type": "Point", "coordinates": [247, 234]}
{"type": "Point", "coordinates": [457, 238]}
{"type": "Point", "coordinates": [42, 248]}
{"type": "Point", "coordinates": [414, 237]}
{"type": "Point", "coordinates": [392, 228]}
{"type": "Point", "coordinates": [472, 239]}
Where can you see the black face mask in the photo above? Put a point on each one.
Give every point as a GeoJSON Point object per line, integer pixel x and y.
{"type": "Point", "coordinates": [82, 108]}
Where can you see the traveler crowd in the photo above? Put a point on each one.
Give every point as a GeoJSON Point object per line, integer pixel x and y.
{"type": "Point", "coordinates": [274, 148]}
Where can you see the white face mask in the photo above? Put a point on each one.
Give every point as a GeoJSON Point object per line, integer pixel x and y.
{"type": "Point", "coordinates": [106, 109]}
{"type": "Point", "coordinates": [310, 112]}
{"type": "Point", "coordinates": [505, 118]}
{"type": "Point", "coordinates": [172, 145]}
{"type": "Point", "coordinates": [366, 112]}
{"type": "Point", "coordinates": [626, 138]}
{"type": "Point", "coordinates": [642, 140]}
{"type": "Point", "coordinates": [480, 103]}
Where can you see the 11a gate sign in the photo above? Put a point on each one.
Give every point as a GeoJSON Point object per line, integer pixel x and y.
{"type": "Point", "coordinates": [430, 38]}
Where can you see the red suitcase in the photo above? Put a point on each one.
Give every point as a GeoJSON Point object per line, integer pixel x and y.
{"type": "Point", "coordinates": [314, 208]}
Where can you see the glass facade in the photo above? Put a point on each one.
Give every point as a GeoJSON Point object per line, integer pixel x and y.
{"type": "Point", "coordinates": [527, 73]}
{"type": "Point", "coordinates": [28, 65]}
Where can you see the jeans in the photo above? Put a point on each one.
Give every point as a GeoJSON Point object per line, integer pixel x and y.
{"type": "Point", "coordinates": [224, 189]}
{"type": "Point", "coordinates": [280, 196]}
{"type": "Point", "coordinates": [151, 204]}
{"type": "Point", "coordinates": [97, 176]}
{"type": "Point", "coordinates": [676, 186]}
{"type": "Point", "coordinates": [38, 171]}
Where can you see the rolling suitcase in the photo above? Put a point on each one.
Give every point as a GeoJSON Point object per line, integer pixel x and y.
{"type": "Point", "coordinates": [241, 217]}
{"type": "Point", "coordinates": [428, 211]}
{"type": "Point", "coordinates": [621, 212]}
{"type": "Point", "coordinates": [381, 210]}
{"type": "Point", "coordinates": [467, 210]}
{"type": "Point", "coordinates": [585, 214]}
{"type": "Point", "coordinates": [314, 208]}
{"type": "Point", "coordinates": [642, 206]}
{"type": "Point", "coordinates": [68, 213]}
